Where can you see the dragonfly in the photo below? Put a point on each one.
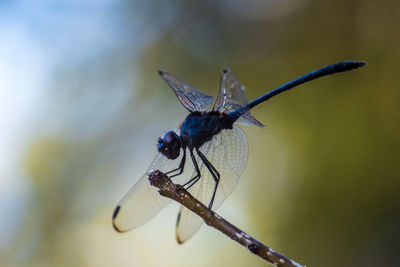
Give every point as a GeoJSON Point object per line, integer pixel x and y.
{"type": "Point", "coordinates": [208, 137]}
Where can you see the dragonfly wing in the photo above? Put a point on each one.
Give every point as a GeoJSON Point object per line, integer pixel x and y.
{"type": "Point", "coordinates": [143, 201]}
{"type": "Point", "coordinates": [222, 95]}
{"type": "Point", "coordinates": [191, 98]}
{"type": "Point", "coordinates": [232, 96]}
{"type": "Point", "coordinates": [187, 224]}
{"type": "Point", "coordinates": [246, 118]}
{"type": "Point", "coordinates": [227, 152]}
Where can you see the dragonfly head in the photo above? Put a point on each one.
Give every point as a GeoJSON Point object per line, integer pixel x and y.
{"type": "Point", "coordinates": [169, 145]}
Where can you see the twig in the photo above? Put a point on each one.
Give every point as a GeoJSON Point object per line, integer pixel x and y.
{"type": "Point", "coordinates": [179, 194]}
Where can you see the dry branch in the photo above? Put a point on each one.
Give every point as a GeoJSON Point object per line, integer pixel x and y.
{"type": "Point", "coordinates": [179, 194]}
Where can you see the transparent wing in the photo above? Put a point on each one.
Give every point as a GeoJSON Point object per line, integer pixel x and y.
{"type": "Point", "coordinates": [191, 98]}
{"type": "Point", "coordinates": [246, 118]}
{"type": "Point", "coordinates": [227, 151]}
{"type": "Point", "coordinates": [143, 201]}
{"type": "Point", "coordinates": [232, 96]}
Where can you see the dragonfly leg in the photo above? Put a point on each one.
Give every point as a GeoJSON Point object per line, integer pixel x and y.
{"type": "Point", "coordinates": [196, 178]}
{"type": "Point", "coordinates": [213, 172]}
{"type": "Point", "coordinates": [181, 166]}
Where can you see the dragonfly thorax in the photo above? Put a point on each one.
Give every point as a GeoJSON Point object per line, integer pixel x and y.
{"type": "Point", "coordinates": [200, 127]}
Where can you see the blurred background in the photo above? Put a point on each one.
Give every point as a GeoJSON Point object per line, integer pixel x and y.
{"type": "Point", "coordinates": [81, 108]}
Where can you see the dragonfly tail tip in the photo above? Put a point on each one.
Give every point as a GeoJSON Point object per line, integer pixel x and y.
{"type": "Point", "coordinates": [360, 63]}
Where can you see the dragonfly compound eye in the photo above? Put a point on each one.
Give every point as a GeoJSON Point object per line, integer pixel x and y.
{"type": "Point", "coordinates": [169, 145]}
